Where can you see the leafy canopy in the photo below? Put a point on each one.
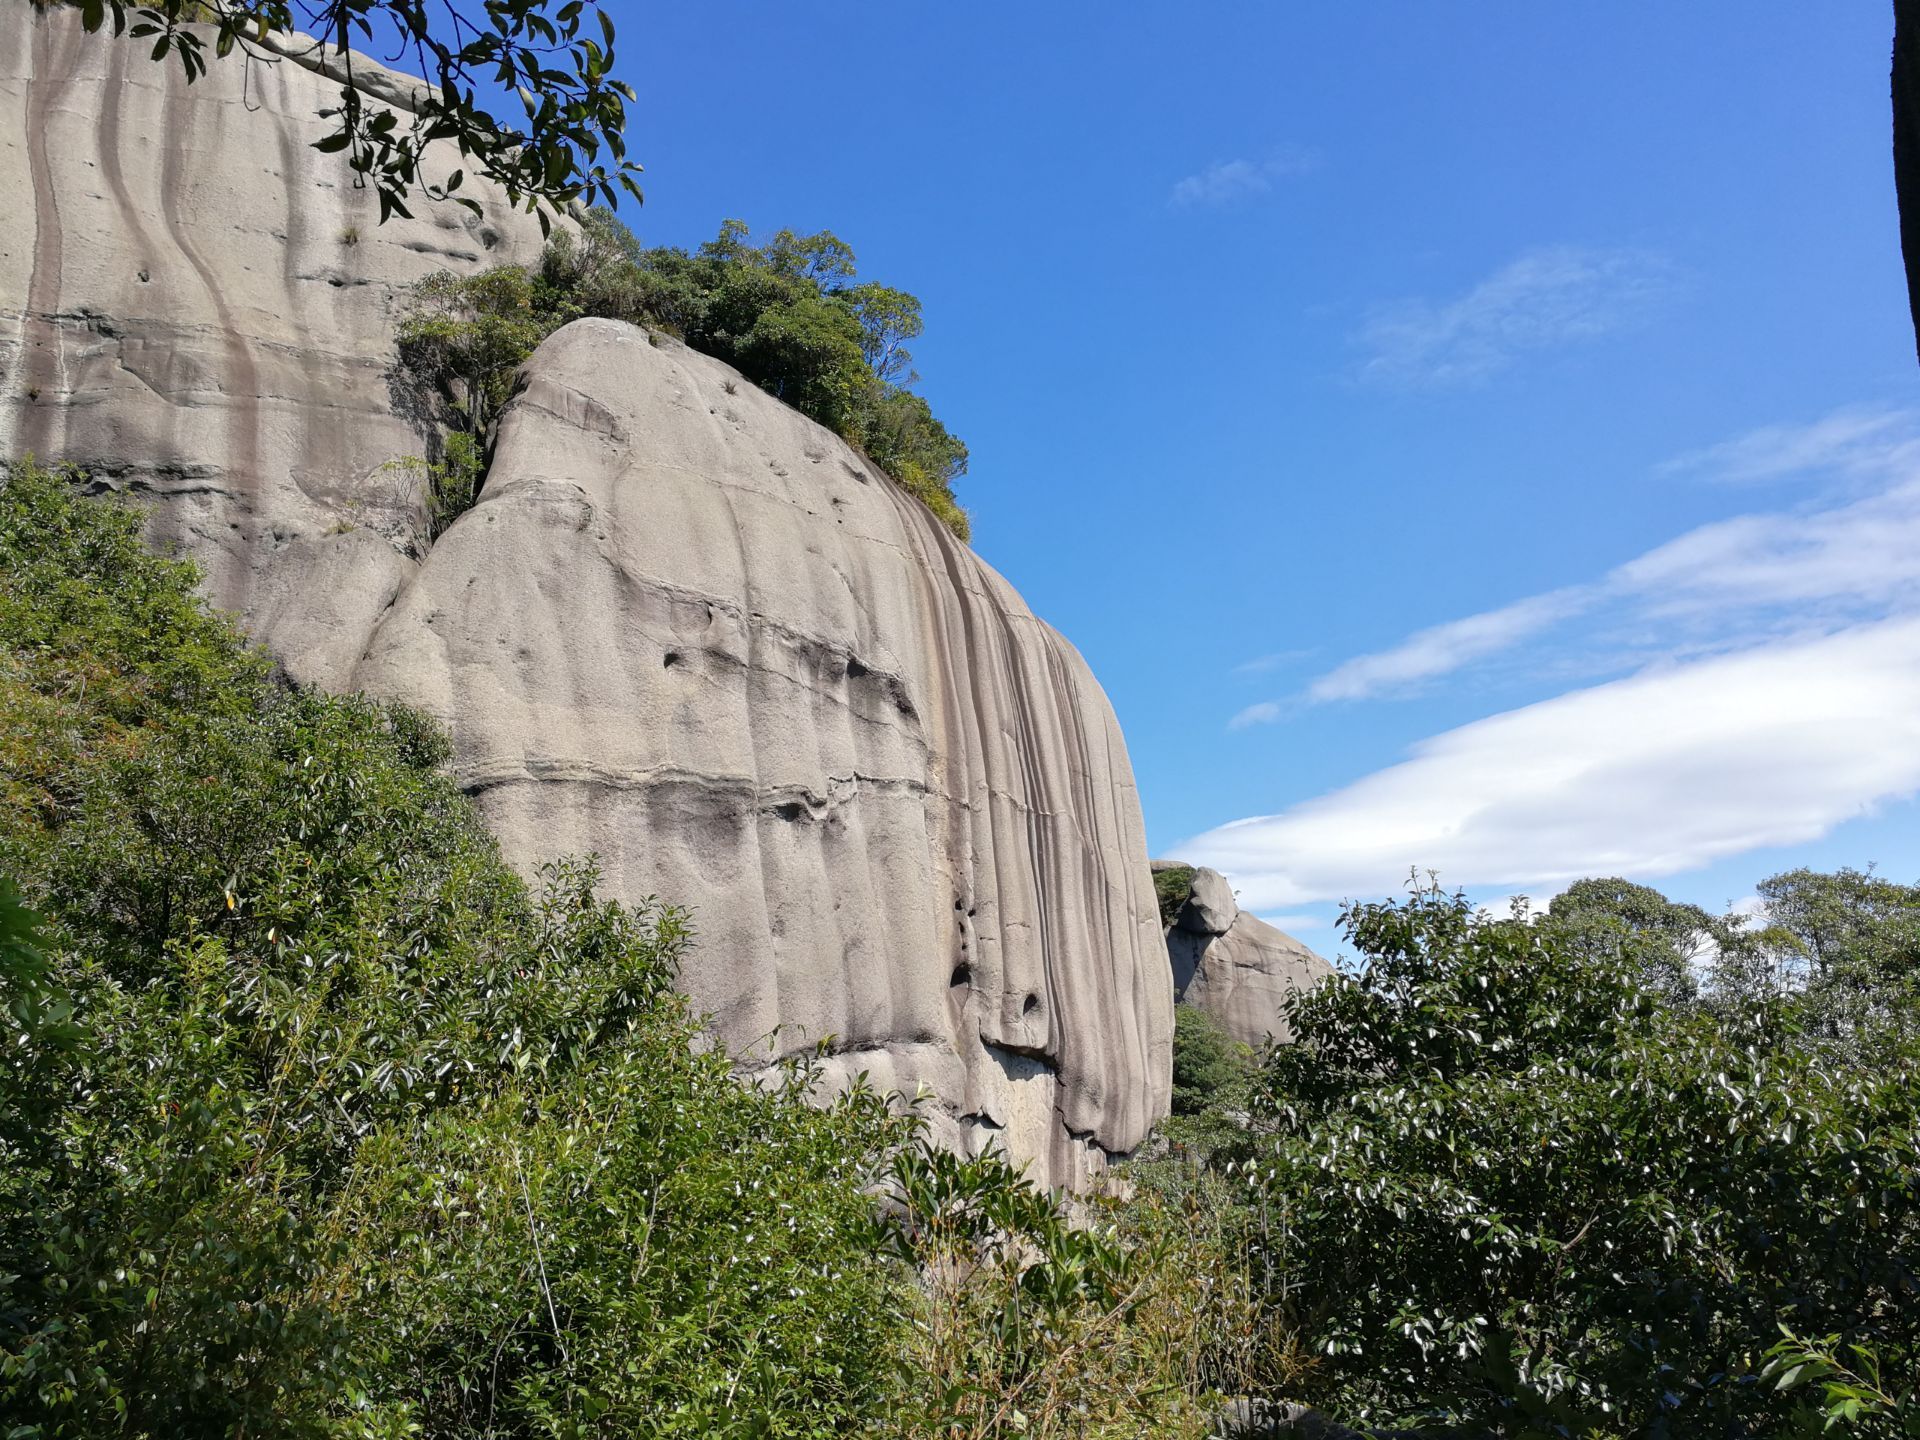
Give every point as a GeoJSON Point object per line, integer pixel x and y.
{"type": "Point", "coordinates": [1509, 1180]}
{"type": "Point", "coordinates": [544, 51]}
{"type": "Point", "coordinates": [787, 314]}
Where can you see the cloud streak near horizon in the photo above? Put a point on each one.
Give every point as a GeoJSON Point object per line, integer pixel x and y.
{"type": "Point", "coordinates": [1655, 774]}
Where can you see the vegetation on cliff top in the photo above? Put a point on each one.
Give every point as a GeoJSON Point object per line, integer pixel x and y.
{"type": "Point", "coordinates": [788, 314]}
{"type": "Point", "coordinates": [1172, 885]}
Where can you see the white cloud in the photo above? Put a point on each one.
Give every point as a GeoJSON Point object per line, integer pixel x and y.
{"type": "Point", "coordinates": [1728, 583]}
{"type": "Point", "coordinates": [1866, 552]}
{"type": "Point", "coordinates": [1852, 440]}
{"type": "Point", "coordinates": [1260, 664]}
{"type": "Point", "coordinates": [1265, 713]}
{"type": "Point", "coordinates": [1293, 924]}
{"type": "Point", "coordinates": [1542, 300]}
{"type": "Point", "coordinates": [1661, 772]}
{"type": "Point", "coordinates": [1441, 649]}
{"type": "Point", "coordinates": [1226, 181]}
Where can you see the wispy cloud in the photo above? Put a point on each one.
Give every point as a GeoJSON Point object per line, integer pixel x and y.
{"type": "Point", "coordinates": [1227, 181]}
{"type": "Point", "coordinates": [1440, 649]}
{"type": "Point", "coordinates": [1849, 441]}
{"type": "Point", "coordinates": [1732, 582]}
{"type": "Point", "coordinates": [1264, 713]}
{"type": "Point", "coordinates": [1261, 664]}
{"type": "Point", "coordinates": [1293, 924]}
{"type": "Point", "coordinates": [1775, 695]}
{"type": "Point", "coordinates": [1661, 772]}
{"type": "Point", "coordinates": [1545, 299]}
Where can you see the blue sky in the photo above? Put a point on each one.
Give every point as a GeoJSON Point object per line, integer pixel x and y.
{"type": "Point", "coordinates": [1480, 437]}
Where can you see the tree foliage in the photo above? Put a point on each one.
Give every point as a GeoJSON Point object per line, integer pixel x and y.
{"type": "Point", "coordinates": [1516, 1183]}
{"type": "Point", "coordinates": [315, 1120]}
{"type": "Point", "coordinates": [1210, 1067]}
{"type": "Point", "coordinates": [1172, 886]}
{"type": "Point", "coordinates": [1662, 942]}
{"type": "Point", "coordinates": [570, 146]}
{"type": "Point", "coordinates": [787, 314]}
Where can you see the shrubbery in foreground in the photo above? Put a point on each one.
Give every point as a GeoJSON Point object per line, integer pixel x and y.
{"type": "Point", "coordinates": [1506, 1175]}
{"type": "Point", "coordinates": [315, 1120]}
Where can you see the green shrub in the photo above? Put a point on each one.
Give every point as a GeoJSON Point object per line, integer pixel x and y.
{"type": "Point", "coordinates": [785, 314]}
{"type": "Point", "coordinates": [449, 486]}
{"type": "Point", "coordinates": [1172, 885]}
{"type": "Point", "coordinates": [1038, 1324]}
{"type": "Point", "coordinates": [315, 1120]}
{"type": "Point", "coordinates": [1514, 1183]}
{"type": "Point", "coordinates": [1210, 1067]}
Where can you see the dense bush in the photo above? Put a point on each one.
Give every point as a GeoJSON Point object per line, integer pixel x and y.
{"type": "Point", "coordinates": [1172, 885]}
{"type": "Point", "coordinates": [1210, 1067]}
{"type": "Point", "coordinates": [1034, 1323]}
{"type": "Point", "coordinates": [788, 315]}
{"type": "Point", "coordinates": [316, 1121]}
{"type": "Point", "coordinates": [1507, 1179]}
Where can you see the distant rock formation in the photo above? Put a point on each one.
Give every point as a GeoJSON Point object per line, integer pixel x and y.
{"type": "Point", "coordinates": [684, 627]}
{"type": "Point", "coordinates": [1233, 965]}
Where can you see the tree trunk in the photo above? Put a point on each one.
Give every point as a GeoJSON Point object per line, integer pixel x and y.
{"type": "Point", "coordinates": [1906, 144]}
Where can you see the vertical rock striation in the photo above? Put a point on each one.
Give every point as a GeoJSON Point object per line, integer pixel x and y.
{"type": "Point", "coordinates": [692, 631]}
{"type": "Point", "coordinates": [684, 627]}
{"type": "Point", "coordinates": [198, 306]}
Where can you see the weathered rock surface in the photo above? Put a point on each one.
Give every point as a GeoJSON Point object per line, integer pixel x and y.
{"type": "Point", "coordinates": [1235, 966]}
{"type": "Point", "coordinates": [684, 627]}
{"type": "Point", "coordinates": [690, 630]}
{"type": "Point", "coordinates": [1210, 906]}
{"type": "Point", "coordinates": [198, 306]}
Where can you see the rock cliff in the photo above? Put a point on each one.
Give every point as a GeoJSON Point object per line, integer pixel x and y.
{"type": "Point", "coordinates": [1233, 965]}
{"type": "Point", "coordinates": [198, 306]}
{"type": "Point", "coordinates": [684, 627]}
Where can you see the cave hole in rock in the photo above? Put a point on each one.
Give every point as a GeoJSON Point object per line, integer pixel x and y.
{"type": "Point", "coordinates": [961, 978]}
{"type": "Point", "coordinates": [1031, 1004]}
{"type": "Point", "coordinates": [670, 659]}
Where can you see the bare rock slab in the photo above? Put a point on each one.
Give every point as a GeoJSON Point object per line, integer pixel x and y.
{"type": "Point", "coordinates": [690, 630]}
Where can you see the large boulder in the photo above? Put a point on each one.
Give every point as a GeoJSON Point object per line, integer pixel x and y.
{"type": "Point", "coordinates": [1210, 906]}
{"type": "Point", "coordinates": [690, 630]}
{"type": "Point", "coordinates": [684, 627]}
{"type": "Point", "coordinates": [1235, 966]}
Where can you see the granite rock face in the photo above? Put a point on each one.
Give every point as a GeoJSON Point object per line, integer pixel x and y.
{"type": "Point", "coordinates": [1235, 966]}
{"type": "Point", "coordinates": [690, 630]}
{"type": "Point", "coordinates": [684, 627]}
{"type": "Point", "coordinates": [198, 306]}
{"type": "Point", "coordinates": [1210, 906]}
